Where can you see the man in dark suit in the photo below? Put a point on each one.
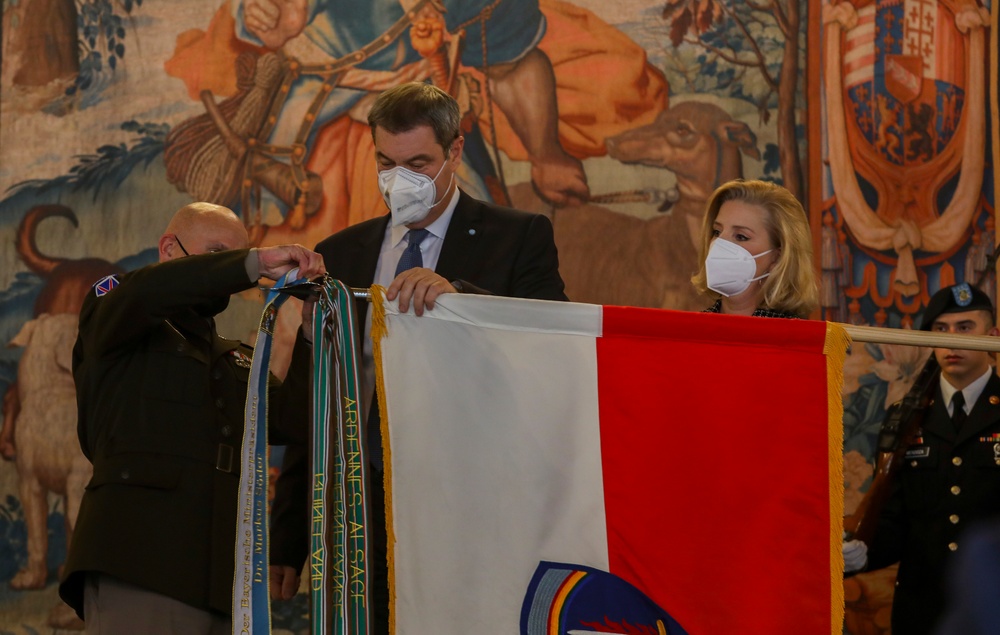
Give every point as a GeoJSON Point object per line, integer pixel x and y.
{"type": "Point", "coordinates": [161, 406]}
{"type": "Point", "coordinates": [949, 478]}
{"type": "Point", "coordinates": [436, 239]}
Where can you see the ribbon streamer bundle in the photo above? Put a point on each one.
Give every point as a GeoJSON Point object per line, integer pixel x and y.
{"type": "Point", "coordinates": [338, 560]}
{"type": "Point", "coordinates": [338, 569]}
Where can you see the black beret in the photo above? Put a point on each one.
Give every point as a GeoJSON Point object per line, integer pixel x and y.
{"type": "Point", "coordinates": [955, 299]}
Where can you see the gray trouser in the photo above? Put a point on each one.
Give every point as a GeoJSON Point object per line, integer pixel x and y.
{"type": "Point", "coordinates": [113, 607]}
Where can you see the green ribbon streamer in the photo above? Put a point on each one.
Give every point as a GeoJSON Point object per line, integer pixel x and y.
{"type": "Point", "coordinates": [339, 542]}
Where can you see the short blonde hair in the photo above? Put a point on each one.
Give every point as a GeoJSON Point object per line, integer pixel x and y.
{"type": "Point", "coordinates": [791, 287]}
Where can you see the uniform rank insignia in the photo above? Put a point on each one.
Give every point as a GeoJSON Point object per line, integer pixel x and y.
{"type": "Point", "coordinates": [242, 360]}
{"type": "Point", "coordinates": [105, 285]}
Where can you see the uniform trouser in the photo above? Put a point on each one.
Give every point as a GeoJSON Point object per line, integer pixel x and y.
{"type": "Point", "coordinates": [113, 607]}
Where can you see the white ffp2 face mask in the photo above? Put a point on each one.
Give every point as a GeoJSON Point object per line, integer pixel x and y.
{"type": "Point", "coordinates": [729, 268]}
{"type": "Point", "coordinates": [409, 195]}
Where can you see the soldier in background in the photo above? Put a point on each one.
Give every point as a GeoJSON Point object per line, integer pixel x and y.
{"type": "Point", "coordinates": [950, 475]}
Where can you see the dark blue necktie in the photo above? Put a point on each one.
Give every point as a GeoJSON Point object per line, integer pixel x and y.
{"type": "Point", "coordinates": [412, 257]}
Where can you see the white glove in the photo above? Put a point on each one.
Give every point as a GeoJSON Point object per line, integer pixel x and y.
{"type": "Point", "coordinates": [855, 555]}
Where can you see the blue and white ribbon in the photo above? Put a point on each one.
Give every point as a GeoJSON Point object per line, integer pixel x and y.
{"type": "Point", "coordinates": [251, 603]}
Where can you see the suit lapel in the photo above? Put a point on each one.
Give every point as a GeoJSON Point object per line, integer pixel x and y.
{"type": "Point", "coordinates": [364, 260]}
{"type": "Point", "coordinates": [937, 421]}
{"type": "Point", "coordinates": [461, 239]}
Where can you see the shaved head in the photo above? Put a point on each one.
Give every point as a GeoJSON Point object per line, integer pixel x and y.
{"type": "Point", "coordinates": [200, 228]}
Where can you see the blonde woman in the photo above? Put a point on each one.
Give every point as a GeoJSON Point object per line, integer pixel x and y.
{"type": "Point", "coordinates": [756, 252]}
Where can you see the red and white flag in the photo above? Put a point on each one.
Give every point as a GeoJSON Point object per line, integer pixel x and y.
{"type": "Point", "coordinates": [569, 468]}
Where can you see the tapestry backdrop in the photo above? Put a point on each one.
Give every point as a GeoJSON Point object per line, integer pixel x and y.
{"type": "Point", "coordinates": [615, 118]}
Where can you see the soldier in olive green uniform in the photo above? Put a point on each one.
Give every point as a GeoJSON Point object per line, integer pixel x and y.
{"type": "Point", "coordinates": [950, 476]}
{"type": "Point", "coordinates": [161, 404]}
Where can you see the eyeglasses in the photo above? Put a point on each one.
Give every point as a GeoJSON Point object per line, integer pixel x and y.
{"type": "Point", "coordinates": [213, 249]}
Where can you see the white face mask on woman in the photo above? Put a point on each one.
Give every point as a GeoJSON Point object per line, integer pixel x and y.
{"type": "Point", "coordinates": [729, 268]}
{"type": "Point", "coordinates": [409, 195]}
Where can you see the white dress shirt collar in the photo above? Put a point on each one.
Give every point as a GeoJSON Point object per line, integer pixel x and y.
{"type": "Point", "coordinates": [971, 392]}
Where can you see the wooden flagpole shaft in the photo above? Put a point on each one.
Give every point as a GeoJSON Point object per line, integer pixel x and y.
{"type": "Point", "coordinates": [881, 335]}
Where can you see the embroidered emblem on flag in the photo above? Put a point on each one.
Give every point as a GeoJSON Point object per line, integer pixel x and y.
{"type": "Point", "coordinates": [569, 598]}
{"type": "Point", "coordinates": [105, 285]}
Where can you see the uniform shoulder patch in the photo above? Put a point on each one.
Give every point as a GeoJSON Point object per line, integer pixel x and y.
{"type": "Point", "coordinates": [105, 285]}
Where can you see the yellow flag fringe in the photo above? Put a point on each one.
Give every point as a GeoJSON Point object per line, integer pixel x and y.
{"type": "Point", "coordinates": [835, 349]}
{"type": "Point", "coordinates": [378, 332]}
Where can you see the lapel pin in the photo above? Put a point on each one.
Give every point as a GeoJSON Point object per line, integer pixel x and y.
{"type": "Point", "coordinates": [994, 399]}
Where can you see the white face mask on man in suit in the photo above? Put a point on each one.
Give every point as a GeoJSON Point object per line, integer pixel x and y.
{"type": "Point", "coordinates": [409, 195]}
